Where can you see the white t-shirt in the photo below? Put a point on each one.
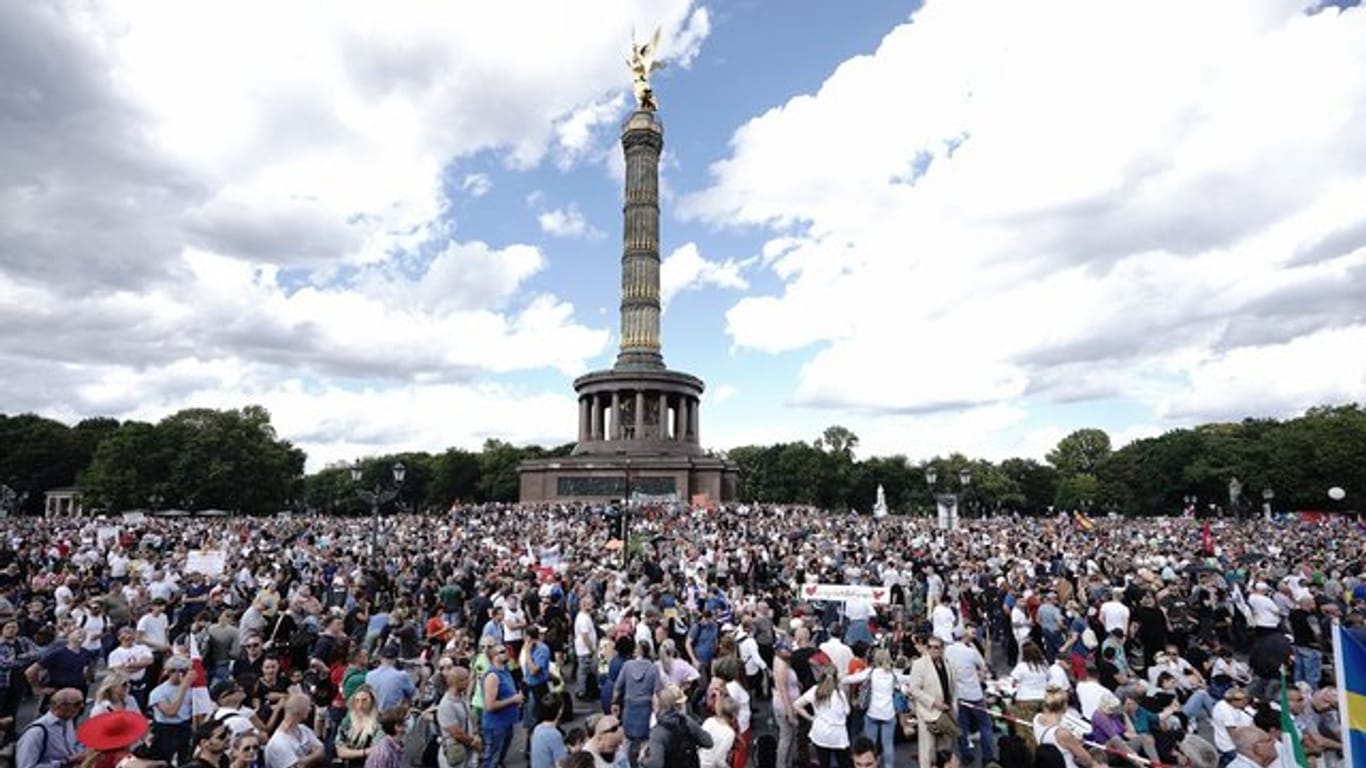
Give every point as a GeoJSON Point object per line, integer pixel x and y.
{"type": "Point", "coordinates": [93, 626]}
{"type": "Point", "coordinates": [1057, 677]}
{"type": "Point", "coordinates": [238, 720]}
{"type": "Point", "coordinates": [64, 596]}
{"type": "Point", "coordinates": [136, 652]}
{"type": "Point", "coordinates": [840, 655]}
{"type": "Point", "coordinates": [1265, 614]}
{"type": "Point", "coordinates": [513, 623]}
{"type": "Point", "coordinates": [859, 609]}
{"type": "Point", "coordinates": [722, 739]}
{"type": "Point", "coordinates": [828, 729]}
{"type": "Point", "coordinates": [1020, 623]}
{"type": "Point", "coordinates": [1089, 694]}
{"type": "Point", "coordinates": [1222, 719]}
{"type": "Point", "coordinates": [943, 620]}
{"type": "Point", "coordinates": [118, 565]}
{"type": "Point", "coordinates": [965, 661]}
{"type": "Point", "coordinates": [1114, 615]}
{"type": "Point", "coordinates": [741, 697]}
{"type": "Point", "coordinates": [163, 589]}
{"type": "Point", "coordinates": [1030, 682]}
{"type": "Point", "coordinates": [153, 629]}
{"type": "Point", "coordinates": [583, 626]}
{"type": "Point", "coordinates": [749, 654]}
{"type": "Point", "coordinates": [288, 747]}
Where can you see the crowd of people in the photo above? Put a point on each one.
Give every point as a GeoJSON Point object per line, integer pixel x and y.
{"type": "Point", "coordinates": [500, 635]}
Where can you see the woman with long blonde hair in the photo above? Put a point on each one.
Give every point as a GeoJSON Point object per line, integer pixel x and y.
{"type": "Point", "coordinates": [113, 696]}
{"type": "Point", "coordinates": [825, 706]}
{"type": "Point", "coordinates": [879, 724]}
{"type": "Point", "coordinates": [359, 731]}
{"type": "Point", "coordinates": [1048, 730]}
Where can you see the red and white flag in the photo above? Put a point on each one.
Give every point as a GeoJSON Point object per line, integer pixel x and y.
{"type": "Point", "coordinates": [199, 689]}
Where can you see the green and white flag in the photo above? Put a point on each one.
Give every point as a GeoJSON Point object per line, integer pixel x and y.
{"type": "Point", "coordinates": [1290, 735]}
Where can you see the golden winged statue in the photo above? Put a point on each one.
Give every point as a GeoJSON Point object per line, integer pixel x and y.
{"type": "Point", "coordinates": [643, 62]}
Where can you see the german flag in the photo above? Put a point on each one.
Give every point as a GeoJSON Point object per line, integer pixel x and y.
{"type": "Point", "coordinates": [1083, 522]}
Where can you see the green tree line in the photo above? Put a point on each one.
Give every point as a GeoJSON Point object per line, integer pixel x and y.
{"type": "Point", "coordinates": [233, 460]}
{"type": "Point", "coordinates": [1298, 460]}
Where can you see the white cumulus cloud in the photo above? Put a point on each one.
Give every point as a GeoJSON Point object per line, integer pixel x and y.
{"type": "Point", "coordinates": [476, 184]}
{"type": "Point", "coordinates": [685, 268]}
{"type": "Point", "coordinates": [567, 222]}
{"type": "Point", "coordinates": [1009, 209]}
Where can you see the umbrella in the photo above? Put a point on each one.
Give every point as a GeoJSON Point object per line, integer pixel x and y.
{"type": "Point", "coordinates": [1250, 557]}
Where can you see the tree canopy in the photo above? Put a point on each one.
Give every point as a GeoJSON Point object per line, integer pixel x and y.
{"type": "Point", "coordinates": [232, 459]}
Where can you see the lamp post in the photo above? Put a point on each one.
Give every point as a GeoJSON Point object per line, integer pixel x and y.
{"type": "Point", "coordinates": [1189, 500]}
{"type": "Point", "coordinates": [1267, 496]}
{"type": "Point", "coordinates": [1235, 497]}
{"type": "Point", "coordinates": [626, 521]}
{"type": "Point", "coordinates": [377, 497]}
{"type": "Point", "coordinates": [948, 500]}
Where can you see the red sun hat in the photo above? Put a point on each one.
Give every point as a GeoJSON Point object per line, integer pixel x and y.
{"type": "Point", "coordinates": [112, 730]}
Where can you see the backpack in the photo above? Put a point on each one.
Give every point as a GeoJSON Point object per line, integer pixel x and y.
{"type": "Point", "coordinates": [766, 751]}
{"type": "Point", "coordinates": [1049, 755]}
{"type": "Point", "coordinates": [42, 750]}
{"type": "Point", "coordinates": [682, 749]}
{"type": "Point", "coordinates": [421, 744]}
{"type": "Point", "coordinates": [1011, 750]}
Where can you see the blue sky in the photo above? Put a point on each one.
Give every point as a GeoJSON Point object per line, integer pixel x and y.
{"type": "Point", "coordinates": [968, 226]}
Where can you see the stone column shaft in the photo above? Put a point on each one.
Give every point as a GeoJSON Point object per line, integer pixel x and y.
{"type": "Point", "coordinates": [662, 418]}
{"type": "Point", "coordinates": [642, 141]}
{"type": "Point", "coordinates": [694, 422]}
{"type": "Point", "coordinates": [640, 414]}
{"type": "Point", "coordinates": [615, 433]}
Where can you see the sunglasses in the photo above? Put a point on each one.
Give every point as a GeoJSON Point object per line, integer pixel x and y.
{"type": "Point", "coordinates": [613, 729]}
{"type": "Point", "coordinates": [249, 747]}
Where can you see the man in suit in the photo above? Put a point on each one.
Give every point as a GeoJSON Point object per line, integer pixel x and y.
{"type": "Point", "coordinates": [932, 691]}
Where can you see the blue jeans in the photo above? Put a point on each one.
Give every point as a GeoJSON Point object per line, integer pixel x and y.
{"type": "Point", "coordinates": [858, 630]}
{"type": "Point", "coordinates": [1308, 665]}
{"type": "Point", "coordinates": [1052, 643]}
{"type": "Point", "coordinates": [882, 732]}
{"type": "Point", "coordinates": [970, 719]}
{"type": "Point", "coordinates": [496, 743]}
{"type": "Point", "coordinates": [219, 672]}
{"type": "Point", "coordinates": [1199, 705]}
{"type": "Point", "coordinates": [586, 666]}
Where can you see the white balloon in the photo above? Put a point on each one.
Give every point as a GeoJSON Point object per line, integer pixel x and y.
{"type": "Point", "coordinates": [1336, 494]}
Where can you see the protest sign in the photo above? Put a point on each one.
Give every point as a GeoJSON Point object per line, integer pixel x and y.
{"type": "Point", "coordinates": [209, 562]}
{"type": "Point", "coordinates": [844, 592]}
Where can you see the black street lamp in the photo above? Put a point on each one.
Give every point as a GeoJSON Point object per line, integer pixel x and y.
{"type": "Point", "coordinates": [1189, 500]}
{"type": "Point", "coordinates": [947, 499]}
{"type": "Point", "coordinates": [626, 521]}
{"type": "Point", "coordinates": [377, 497]}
